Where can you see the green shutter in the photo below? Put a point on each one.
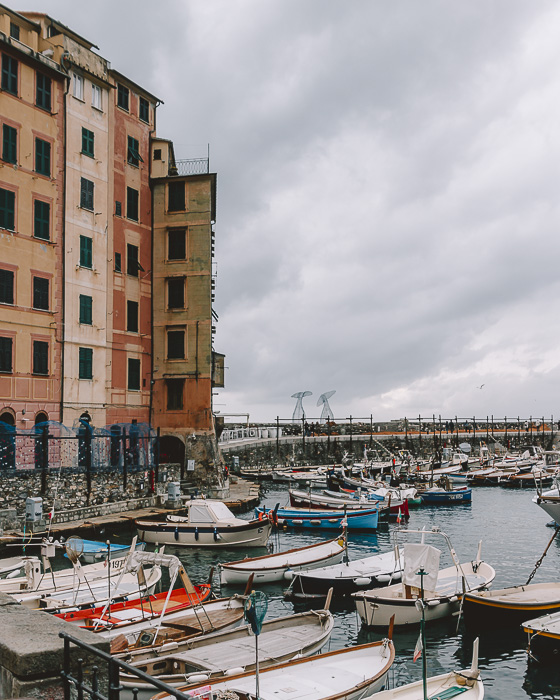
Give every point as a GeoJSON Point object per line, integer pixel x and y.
{"type": "Point", "coordinates": [86, 258]}
{"type": "Point", "coordinates": [9, 144]}
{"type": "Point", "coordinates": [42, 157]}
{"type": "Point", "coordinates": [85, 369]}
{"type": "Point", "coordinates": [88, 142]}
{"type": "Point", "coordinates": [86, 304]}
{"type": "Point", "coordinates": [7, 209]}
{"type": "Point", "coordinates": [42, 220]}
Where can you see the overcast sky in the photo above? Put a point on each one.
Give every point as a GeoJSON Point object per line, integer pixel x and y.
{"type": "Point", "coordinates": [388, 217]}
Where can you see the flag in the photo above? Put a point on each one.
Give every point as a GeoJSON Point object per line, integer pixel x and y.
{"type": "Point", "coordinates": [399, 516]}
{"type": "Point", "coordinates": [418, 648]}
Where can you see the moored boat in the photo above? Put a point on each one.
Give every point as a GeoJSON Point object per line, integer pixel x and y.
{"type": "Point", "coordinates": [346, 578]}
{"type": "Point", "coordinates": [543, 637]}
{"type": "Point", "coordinates": [215, 655]}
{"type": "Point", "coordinates": [207, 524]}
{"type": "Point", "coordinates": [273, 567]}
{"type": "Point", "coordinates": [437, 495]}
{"type": "Point", "coordinates": [351, 673]}
{"type": "Point", "coordinates": [509, 607]}
{"type": "Point", "coordinates": [325, 519]}
{"type": "Point", "coordinates": [93, 551]}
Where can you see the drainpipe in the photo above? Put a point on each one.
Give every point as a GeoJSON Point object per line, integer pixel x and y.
{"type": "Point", "coordinates": [63, 243]}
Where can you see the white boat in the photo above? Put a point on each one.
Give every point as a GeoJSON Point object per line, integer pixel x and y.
{"type": "Point", "coordinates": [352, 673]}
{"type": "Point", "coordinates": [549, 501]}
{"type": "Point", "coordinates": [129, 586]}
{"type": "Point", "coordinates": [12, 567]}
{"type": "Point", "coordinates": [443, 589]}
{"type": "Point", "coordinates": [380, 570]}
{"type": "Point", "coordinates": [215, 655]}
{"type": "Point", "coordinates": [273, 567]}
{"type": "Point", "coordinates": [466, 684]}
{"type": "Point", "coordinates": [207, 524]}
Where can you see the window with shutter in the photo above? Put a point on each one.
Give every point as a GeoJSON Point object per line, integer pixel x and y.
{"type": "Point", "coordinates": [6, 287]}
{"type": "Point", "coordinates": [85, 364]}
{"type": "Point", "coordinates": [86, 194]}
{"type": "Point", "coordinates": [7, 209]}
{"type": "Point", "coordinates": [86, 257]}
{"type": "Point", "coordinates": [133, 374]}
{"type": "Point", "coordinates": [40, 357]}
{"type": "Point", "coordinates": [6, 346]}
{"type": "Point", "coordinates": [41, 293]}
{"type": "Point", "coordinates": [42, 220]}
{"type": "Point", "coordinates": [9, 144]}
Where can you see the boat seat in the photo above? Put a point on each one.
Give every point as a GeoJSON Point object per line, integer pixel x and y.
{"type": "Point", "coordinates": [449, 693]}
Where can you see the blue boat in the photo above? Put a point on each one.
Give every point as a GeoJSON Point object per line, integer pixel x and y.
{"type": "Point", "coordinates": [365, 519]}
{"type": "Point", "coordinates": [94, 551]}
{"type": "Point", "coordinates": [438, 495]}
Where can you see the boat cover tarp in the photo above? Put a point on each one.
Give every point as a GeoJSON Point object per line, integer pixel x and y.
{"type": "Point", "coordinates": [421, 556]}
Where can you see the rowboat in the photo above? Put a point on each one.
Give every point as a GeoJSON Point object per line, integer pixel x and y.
{"type": "Point", "coordinates": [326, 519]}
{"type": "Point", "coordinates": [511, 606]}
{"type": "Point", "coordinates": [360, 574]}
{"type": "Point", "coordinates": [12, 567]}
{"type": "Point", "coordinates": [352, 673]}
{"type": "Point", "coordinates": [94, 551]}
{"type": "Point", "coordinates": [113, 616]}
{"type": "Point", "coordinates": [319, 501]}
{"type": "Point", "coordinates": [129, 586]}
{"type": "Point", "coordinates": [437, 495]}
{"type": "Point", "coordinates": [213, 656]}
{"type": "Point", "coordinates": [273, 567]}
{"type": "Point", "coordinates": [466, 684]}
{"type": "Point", "coordinates": [207, 524]}
{"type": "Point", "coordinates": [543, 637]}
{"type": "Point", "coordinates": [442, 589]}
{"type": "Point", "coordinates": [549, 501]}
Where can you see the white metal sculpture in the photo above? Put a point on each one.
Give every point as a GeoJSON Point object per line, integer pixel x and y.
{"type": "Point", "coordinates": [299, 411]}
{"type": "Point", "coordinates": [326, 413]}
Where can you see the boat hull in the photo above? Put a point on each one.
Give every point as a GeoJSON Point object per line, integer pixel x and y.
{"type": "Point", "coordinates": [366, 520]}
{"type": "Point", "coordinates": [447, 497]}
{"type": "Point", "coordinates": [480, 612]}
{"type": "Point", "coordinates": [254, 534]}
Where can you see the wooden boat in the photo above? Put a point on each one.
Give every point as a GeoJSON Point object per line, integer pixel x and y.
{"type": "Point", "coordinates": [273, 567]}
{"type": "Point", "coordinates": [346, 578]}
{"type": "Point", "coordinates": [319, 501]}
{"type": "Point", "coordinates": [164, 633]}
{"type": "Point", "coordinates": [207, 524]}
{"type": "Point", "coordinates": [443, 589]}
{"type": "Point", "coordinates": [351, 673]}
{"type": "Point", "coordinates": [438, 495]}
{"type": "Point", "coordinates": [543, 637]}
{"type": "Point", "coordinates": [466, 684]}
{"type": "Point", "coordinates": [510, 606]}
{"type": "Point", "coordinates": [94, 551]}
{"type": "Point", "coordinates": [326, 520]}
{"type": "Point", "coordinates": [215, 655]}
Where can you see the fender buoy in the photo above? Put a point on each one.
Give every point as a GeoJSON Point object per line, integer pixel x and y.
{"type": "Point", "coordinates": [196, 534]}
{"type": "Point", "coordinates": [216, 535]}
{"type": "Point", "coordinates": [176, 533]}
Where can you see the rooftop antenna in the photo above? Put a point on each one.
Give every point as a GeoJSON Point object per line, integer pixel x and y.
{"type": "Point", "coordinates": [299, 412]}
{"type": "Point", "coordinates": [326, 413]}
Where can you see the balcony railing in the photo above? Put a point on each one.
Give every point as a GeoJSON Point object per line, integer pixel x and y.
{"type": "Point", "coordinates": [193, 166]}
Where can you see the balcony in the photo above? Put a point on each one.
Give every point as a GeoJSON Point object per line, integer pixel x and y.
{"type": "Point", "coordinates": [193, 166]}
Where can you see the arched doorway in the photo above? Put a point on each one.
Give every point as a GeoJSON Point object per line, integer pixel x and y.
{"type": "Point", "coordinates": [7, 440]}
{"type": "Point", "coordinates": [171, 450]}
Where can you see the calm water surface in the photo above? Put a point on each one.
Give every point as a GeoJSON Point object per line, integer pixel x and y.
{"type": "Point", "coordinates": [514, 535]}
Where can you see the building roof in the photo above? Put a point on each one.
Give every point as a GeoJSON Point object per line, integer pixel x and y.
{"type": "Point", "coordinates": [125, 78]}
{"type": "Point", "coordinates": [74, 35]}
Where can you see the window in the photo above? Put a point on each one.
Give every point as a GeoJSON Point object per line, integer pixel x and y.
{"type": "Point", "coordinates": [85, 365]}
{"type": "Point", "coordinates": [14, 31]}
{"type": "Point", "coordinates": [176, 345]}
{"type": "Point", "coordinates": [133, 152]}
{"type": "Point", "coordinates": [7, 209]}
{"type": "Point", "coordinates": [176, 293]}
{"type": "Point", "coordinates": [87, 142]}
{"type": "Point", "coordinates": [176, 196]}
{"type": "Point", "coordinates": [9, 144]}
{"type": "Point", "coordinates": [133, 374]}
{"type": "Point", "coordinates": [122, 97]}
{"type": "Point", "coordinates": [78, 86]}
{"type": "Point", "coordinates": [132, 265]}
{"type": "Point", "coordinates": [6, 354]}
{"type": "Point", "coordinates": [118, 264]}
{"type": "Point", "coordinates": [132, 316]}
{"type": "Point", "coordinates": [86, 257]}
{"type": "Point", "coordinates": [43, 92]}
{"type": "Point", "coordinates": [96, 97]}
{"type": "Point", "coordinates": [131, 204]}
{"type": "Point", "coordinates": [6, 287]}
{"type": "Point", "coordinates": [176, 244]}
{"type": "Point", "coordinates": [118, 209]}
{"type": "Point", "coordinates": [86, 305]}
{"type": "Point", "coordinates": [42, 220]}
{"type": "Point", "coordinates": [175, 390]}
{"type": "Point", "coordinates": [144, 110]}
{"type": "Point", "coordinates": [40, 357]}
{"type": "Point", "coordinates": [41, 293]}
{"type": "Point", "coordinates": [42, 157]}
{"type": "Point", "coordinates": [157, 153]}
{"type": "Point", "coordinates": [9, 74]}
{"type": "Point", "coordinates": [86, 194]}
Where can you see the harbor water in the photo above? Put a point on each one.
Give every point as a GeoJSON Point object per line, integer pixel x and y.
{"type": "Point", "coordinates": [514, 535]}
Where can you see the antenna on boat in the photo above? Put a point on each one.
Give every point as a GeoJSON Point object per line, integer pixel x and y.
{"type": "Point", "coordinates": [299, 411]}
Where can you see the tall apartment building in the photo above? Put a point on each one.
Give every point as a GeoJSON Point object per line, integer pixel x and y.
{"type": "Point", "coordinates": [32, 179]}
{"type": "Point", "coordinates": [106, 283]}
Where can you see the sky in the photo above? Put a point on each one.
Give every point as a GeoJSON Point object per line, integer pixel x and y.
{"type": "Point", "coordinates": [388, 218]}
